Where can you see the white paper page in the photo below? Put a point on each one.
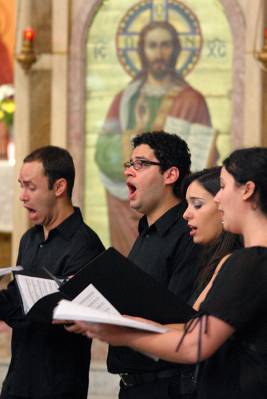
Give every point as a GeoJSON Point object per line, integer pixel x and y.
{"type": "Point", "coordinates": [34, 288]}
{"type": "Point", "coordinates": [67, 310]}
{"type": "Point", "coordinates": [200, 143]}
{"type": "Point", "coordinates": [92, 298]}
{"type": "Point", "coordinates": [6, 270]}
{"type": "Point", "coordinates": [178, 126]}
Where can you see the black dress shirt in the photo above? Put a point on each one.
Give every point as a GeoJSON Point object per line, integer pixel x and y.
{"type": "Point", "coordinates": [45, 358]}
{"type": "Point", "coordinates": [165, 251]}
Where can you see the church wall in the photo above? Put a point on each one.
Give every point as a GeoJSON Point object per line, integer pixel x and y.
{"type": "Point", "coordinates": [40, 80]}
{"type": "Point", "coordinates": [41, 14]}
{"type": "Point", "coordinates": [253, 74]}
{"type": "Point", "coordinates": [40, 123]}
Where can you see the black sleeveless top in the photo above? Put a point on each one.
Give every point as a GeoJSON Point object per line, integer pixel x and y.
{"type": "Point", "coordinates": [239, 297]}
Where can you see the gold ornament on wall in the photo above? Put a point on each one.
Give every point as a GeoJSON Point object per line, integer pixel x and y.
{"type": "Point", "coordinates": [27, 55]}
{"type": "Point", "coordinates": [262, 54]}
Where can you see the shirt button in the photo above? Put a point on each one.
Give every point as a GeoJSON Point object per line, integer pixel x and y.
{"type": "Point", "coordinates": [147, 236]}
{"type": "Point", "coordinates": [41, 245]}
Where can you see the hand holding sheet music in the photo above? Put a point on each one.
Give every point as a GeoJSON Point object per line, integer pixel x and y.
{"type": "Point", "coordinates": [100, 311]}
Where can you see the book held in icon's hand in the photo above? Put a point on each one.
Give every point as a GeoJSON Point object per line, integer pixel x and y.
{"type": "Point", "coordinates": [200, 139]}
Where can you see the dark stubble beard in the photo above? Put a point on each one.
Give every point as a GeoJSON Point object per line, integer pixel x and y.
{"type": "Point", "coordinates": [160, 73]}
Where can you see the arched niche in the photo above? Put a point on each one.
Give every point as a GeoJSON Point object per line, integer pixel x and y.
{"type": "Point", "coordinates": [77, 81]}
{"type": "Point", "coordinates": [77, 90]}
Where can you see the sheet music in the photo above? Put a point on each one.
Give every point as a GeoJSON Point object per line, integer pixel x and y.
{"type": "Point", "coordinates": [6, 270]}
{"type": "Point", "coordinates": [34, 288]}
{"type": "Point", "coordinates": [70, 310]}
{"type": "Point", "coordinates": [93, 299]}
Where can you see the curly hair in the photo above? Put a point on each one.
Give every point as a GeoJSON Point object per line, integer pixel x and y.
{"type": "Point", "coordinates": [170, 150]}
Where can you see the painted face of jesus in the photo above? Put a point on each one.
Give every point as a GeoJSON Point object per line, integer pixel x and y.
{"type": "Point", "coordinates": [158, 52]}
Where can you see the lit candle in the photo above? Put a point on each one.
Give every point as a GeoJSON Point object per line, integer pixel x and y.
{"type": "Point", "coordinates": [29, 34]}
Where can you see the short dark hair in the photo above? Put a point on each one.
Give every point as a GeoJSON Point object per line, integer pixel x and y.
{"type": "Point", "coordinates": [250, 164]}
{"type": "Point", "coordinates": [174, 35]}
{"type": "Point", "coordinates": [57, 163]}
{"type": "Point", "coordinates": [170, 150]}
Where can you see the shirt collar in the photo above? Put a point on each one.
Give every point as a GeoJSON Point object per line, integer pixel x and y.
{"type": "Point", "coordinates": [67, 228]}
{"type": "Point", "coordinates": [70, 225]}
{"type": "Point", "coordinates": [163, 224]}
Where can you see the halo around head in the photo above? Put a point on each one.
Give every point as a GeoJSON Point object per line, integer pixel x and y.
{"type": "Point", "coordinates": [145, 12]}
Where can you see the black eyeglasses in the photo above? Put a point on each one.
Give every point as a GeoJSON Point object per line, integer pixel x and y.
{"type": "Point", "coordinates": [139, 164]}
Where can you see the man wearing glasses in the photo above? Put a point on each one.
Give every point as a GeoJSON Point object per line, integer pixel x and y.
{"type": "Point", "coordinates": [163, 249]}
{"type": "Point", "coordinates": [156, 98]}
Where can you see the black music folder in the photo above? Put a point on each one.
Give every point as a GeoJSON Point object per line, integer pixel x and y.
{"type": "Point", "coordinates": [129, 289]}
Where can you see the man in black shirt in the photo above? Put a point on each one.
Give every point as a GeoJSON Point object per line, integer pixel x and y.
{"type": "Point", "coordinates": [47, 362]}
{"type": "Point", "coordinates": [164, 249]}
